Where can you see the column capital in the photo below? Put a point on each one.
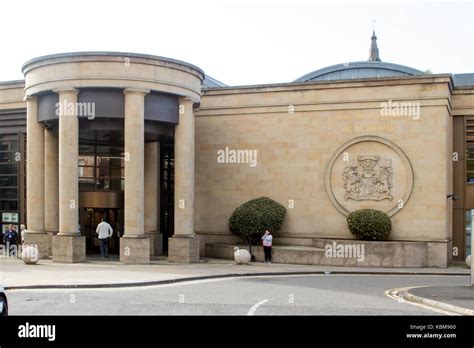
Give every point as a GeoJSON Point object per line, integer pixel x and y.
{"type": "Point", "coordinates": [27, 98]}
{"type": "Point", "coordinates": [143, 91]}
{"type": "Point", "coordinates": [185, 100]}
{"type": "Point", "coordinates": [65, 89]}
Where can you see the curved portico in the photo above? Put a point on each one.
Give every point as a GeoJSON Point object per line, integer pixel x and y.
{"type": "Point", "coordinates": [99, 100]}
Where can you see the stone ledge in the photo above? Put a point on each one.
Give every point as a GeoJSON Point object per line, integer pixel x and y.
{"type": "Point", "coordinates": [396, 253]}
{"type": "Point", "coordinates": [280, 254]}
{"type": "Point", "coordinates": [355, 253]}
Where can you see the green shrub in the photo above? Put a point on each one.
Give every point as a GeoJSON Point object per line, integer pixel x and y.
{"type": "Point", "coordinates": [251, 219]}
{"type": "Point", "coordinates": [369, 224]}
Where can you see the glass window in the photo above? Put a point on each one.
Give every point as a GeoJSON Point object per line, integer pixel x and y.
{"type": "Point", "coordinates": [110, 150]}
{"type": "Point", "coordinates": [86, 184]}
{"type": "Point", "coordinates": [86, 149]}
{"type": "Point", "coordinates": [470, 165]}
{"type": "Point", "coordinates": [9, 193]}
{"type": "Point", "coordinates": [470, 153]}
{"type": "Point", "coordinates": [86, 172]}
{"type": "Point", "coordinates": [5, 227]}
{"type": "Point", "coordinates": [9, 156]}
{"type": "Point", "coordinates": [5, 137]}
{"type": "Point", "coordinates": [8, 168]}
{"type": "Point", "coordinates": [109, 184]}
{"type": "Point", "coordinates": [86, 160]}
{"type": "Point", "coordinates": [8, 145]}
{"type": "Point", "coordinates": [102, 170]}
{"type": "Point", "coordinates": [470, 177]}
{"type": "Point", "coordinates": [9, 181]}
{"type": "Point", "coordinates": [8, 205]}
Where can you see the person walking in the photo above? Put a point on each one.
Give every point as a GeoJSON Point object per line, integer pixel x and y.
{"type": "Point", "coordinates": [105, 231]}
{"type": "Point", "coordinates": [267, 245]}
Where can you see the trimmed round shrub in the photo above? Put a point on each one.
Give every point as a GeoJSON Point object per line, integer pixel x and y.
{"type": "Point", "coordinates": [369, 224]}
{"type": "Point", "coordinates": [251, 219]}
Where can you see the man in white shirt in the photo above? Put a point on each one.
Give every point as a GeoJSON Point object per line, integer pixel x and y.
{"type": "Point", "coordinates": [105, 231]}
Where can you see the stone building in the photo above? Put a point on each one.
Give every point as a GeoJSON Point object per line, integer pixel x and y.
{"type": "Point", "coordinates": [136, 139]}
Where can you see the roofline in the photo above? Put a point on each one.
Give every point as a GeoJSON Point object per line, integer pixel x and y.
{"type": "Point", "coordinates": [110, 54]}
{"type": "Point", "coordinates": [359, 64]}
{"type": "Point", "coordinates": [13, 82]}
{"type": "Point", "coordinates": [329, 82]}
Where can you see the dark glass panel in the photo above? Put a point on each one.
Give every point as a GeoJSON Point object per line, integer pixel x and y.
{"type": "Point", "coordinates": [8, 181]}
{"type": "Point", "coordinates": [8, 168]}
{"type": "Point", "coordinates": [8, 205]}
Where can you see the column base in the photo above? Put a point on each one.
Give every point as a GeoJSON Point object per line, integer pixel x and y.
{"type": "Point", "coordinates": [51, 234]}
{"type": "Point", "coordinates": [40, 240]}
{"type": "Point", "coordinates": [156, 243]}
{"type": "Point", "coordinates": [183, 249]}
{"type": "Point", "coordinates": [69, 248]}
{"type": "Point", "coordinates": [135, 250]}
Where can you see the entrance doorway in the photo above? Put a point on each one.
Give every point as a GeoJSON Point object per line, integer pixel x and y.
{"type": "Point", "coordinates": [91, 217]}
{"type": "Point", "coordinates": [167, 192]}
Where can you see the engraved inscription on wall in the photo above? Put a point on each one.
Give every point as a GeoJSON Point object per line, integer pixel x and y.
{"type": "Point", "coordinates": [368, 179]}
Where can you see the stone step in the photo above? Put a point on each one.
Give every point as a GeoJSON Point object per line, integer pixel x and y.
{"type": "Point", "coordinates": [343, 252]}
{"type": "Point", "coordinates": [281, 254]}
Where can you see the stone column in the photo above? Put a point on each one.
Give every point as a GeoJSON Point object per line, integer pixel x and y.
{"type": "Point", "coordinates": [35, 234]}
{"type": "Point", "coordinates": [152, 197]}
{"type": "Point", "coordinates": [184, 246]}
{"type": "Point", "coordinates": [68, 244]}
{"type": "Point", "coordinates": [134, 245]}
{"type": "Point", "coordinates": [51, 186]}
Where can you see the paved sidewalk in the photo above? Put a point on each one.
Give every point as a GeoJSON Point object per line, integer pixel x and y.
{"type": "Point", "coordinates": [97, 272]}
{"type": "Point", "coordinates": [457, 299]}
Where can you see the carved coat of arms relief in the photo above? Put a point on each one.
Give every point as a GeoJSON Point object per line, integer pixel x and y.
{"type": "Point", "coordinates": [368, 179]}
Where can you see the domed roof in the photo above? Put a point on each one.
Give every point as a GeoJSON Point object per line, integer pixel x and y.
{"type": "Point", "coordinates": [358, 70]}
{"type": "Point", "coordinates": [210, 82]}
{"type": "Point", "coordinates": [374, 67]}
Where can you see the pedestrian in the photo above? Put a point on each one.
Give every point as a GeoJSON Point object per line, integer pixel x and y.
{"type": "Point", "coordinates": [105, 231]}
{"type": "Point", "coordinates": [267, 245]}
{"type": "Point", "coordinates": [10, 240]}
{"type": "Point", "coordinates": [22, 233]}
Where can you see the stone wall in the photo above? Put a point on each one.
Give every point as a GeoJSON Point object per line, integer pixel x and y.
{"type": "Point", "coordinates": [297, 128]}
{"type": "Point", "coordinates": [11, 95]}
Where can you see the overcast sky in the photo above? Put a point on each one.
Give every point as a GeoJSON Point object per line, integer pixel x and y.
{"type": "Point", "coordinates": [246, 42]}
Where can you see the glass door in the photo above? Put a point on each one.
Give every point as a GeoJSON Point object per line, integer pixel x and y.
{"type": "Point", "coordinates": [88, 226]}
{"type": "Point", "coordinates": [91, 217]}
